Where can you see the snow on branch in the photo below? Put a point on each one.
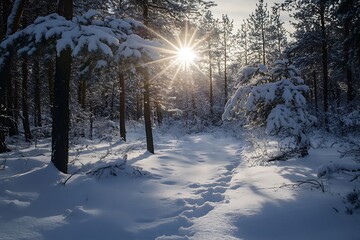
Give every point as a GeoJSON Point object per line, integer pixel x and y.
{"type": "Point", "coordinates": [272, 98]}
{"type": "Point", "coordinates": [90, 32]}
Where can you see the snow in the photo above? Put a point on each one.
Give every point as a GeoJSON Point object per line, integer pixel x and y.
{"type": "Point", "coordinates": [89, 31]}
{"type": "Point", "coordinates": [197, 186]}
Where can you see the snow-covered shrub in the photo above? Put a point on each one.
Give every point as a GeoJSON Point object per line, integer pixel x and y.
{"type": "Point", "coordinates": [274, 99]}
{"type": "Point", "coordinates": [344, 121]}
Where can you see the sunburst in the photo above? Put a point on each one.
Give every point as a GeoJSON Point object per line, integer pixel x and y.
{"type": "Point", "coordinates": [181, 53]}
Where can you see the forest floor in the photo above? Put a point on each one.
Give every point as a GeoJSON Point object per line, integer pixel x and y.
{"type": "Point", "coordinates": [197, 186]}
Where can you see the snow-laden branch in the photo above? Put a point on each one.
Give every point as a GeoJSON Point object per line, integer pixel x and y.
{"type": "Point", "coordinates": [90, 32]}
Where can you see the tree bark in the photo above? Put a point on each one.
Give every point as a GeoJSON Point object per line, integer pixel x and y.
{"type": "Point", "coordinates": [147, 114]}
{"type": "Point", "coordinates": [37, 94]}
{"type": "Point", "coordinates": [50, 77]}
{"type": "Point", "coordinates": [348, 70]}
{"type": "Point", "coordinates": [315, 89]}
{"type": "Point", "coordinates": [211, 98]}
{"type": "Point", "coordinates": [122, 110]}
{"type": "Point", "coordinates": [82, 90]}
{"type": "Point", "coordinates": [159, 115]}
{"type": "Point", "coordinates": [147, 110]}
{"type": "Point", "coordinates": [138, 107]}
{"type": "Point", "coordinates": [61, 113]}
{"type": "Point", "coordinates": [25, 99]}
{"type": "Point", "coordinates": [324, 57]}
{"type": "Point", "coordinates": [263, 41]}
{"type": "Point", "coordinates": [225, 68]}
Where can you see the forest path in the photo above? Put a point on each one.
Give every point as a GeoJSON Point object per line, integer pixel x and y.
{"type": "Point", "coordinates": [196, 171]}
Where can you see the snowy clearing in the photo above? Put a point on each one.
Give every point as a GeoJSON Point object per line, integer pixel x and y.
{"type": "Point", "coordinates": [195, 187]}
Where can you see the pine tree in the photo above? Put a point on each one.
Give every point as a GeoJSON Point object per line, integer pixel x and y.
{"type": "Point", "coordinates": [277, 38]}
{"type": "Point", "coordinates": [259, 26]}
{"type": "Point", "coordinates": [275, 99]}
{"type": "Point", "coordinates": [61, 114]}
{"type": "Point", "coordinates": [227, 40]}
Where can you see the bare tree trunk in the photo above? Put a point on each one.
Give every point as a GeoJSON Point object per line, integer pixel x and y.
{"type": "Point", "coordinates": [122, 110]}
{"type": "Point", "coordinates": [112, 101]}
{"type": "Point", "coordinates": [159, 115]}
{"type": "Point", "coordinates": [91, 121]}
{"type": "Point", "coordinates": [13, 22]}
{"type": "Point", "coordinates": [82, 90]}
{"type": "Point", "coordinates": [13, 130]}
{"type": "Point", "coordinates": [315, 89]}
{"type": "Point", "coordinates": [147, 113]}
{"type": "Point", "coordinates": [37, 97]}
{"type": "Point", "coordinates": [25, 99]}
{"type": "Point", "coordinates": [225, 69]}
{"type": "Point", "coordinates": [12, 25]}
{"type": "Point", "coordinates": [147, 110]}
{"type": "Point", "coordinates": [61, 118]}
{"type": "Point", "coordinates": [324, 57]}
{"type": "Point", "coordinates": [348, 70]}
{"type": "Point", "coordinates": [263, 41]}
{"type": "Point", "coordinates": [50, 77]}
{"type": "Point", "coordinates": [138, 107]}
{"type": "Point", "coordinates": [211, 98]}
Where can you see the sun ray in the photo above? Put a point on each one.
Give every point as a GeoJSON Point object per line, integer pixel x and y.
{"type": "Point", "coordinates": [161, 72]}
{"type": "Point", "coordinates": [183, 52]}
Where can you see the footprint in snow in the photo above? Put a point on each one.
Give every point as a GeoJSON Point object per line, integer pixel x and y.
{"type": "Point", "coordinates": [198, 211]}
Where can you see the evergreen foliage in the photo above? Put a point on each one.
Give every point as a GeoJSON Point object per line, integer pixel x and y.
{"type": "Point", "coordinates": [272, 98]}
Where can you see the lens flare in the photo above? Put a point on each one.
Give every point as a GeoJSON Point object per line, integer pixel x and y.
{"type": "Point", "coordinates": [186, 55]}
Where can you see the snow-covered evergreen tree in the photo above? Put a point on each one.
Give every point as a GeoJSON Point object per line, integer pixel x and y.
{"type": "Point", "coordinates": [273, 98]}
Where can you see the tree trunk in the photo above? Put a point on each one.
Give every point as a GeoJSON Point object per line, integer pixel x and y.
{"type": "Point", "coordinates": [3, 111]}
{"type": "Point", "coordinates": [122, 110]}
{"type": "Point", "coordinates": [315, 89]}
{"type": "Point", "coordinates": [91, 130]}
{"type": "Point", "coordinates": [11, 124]}
{"type": "Point", "coordinates": [147, 113]}
{"type": "Point", "coordinates": [25, 99]}
{"type": "Point", "coordinates": [348, 70]}
{"type": "Point", "coordinates": [82, 90]}
{"type": "Point", "coordinates": [50, 77]}
{"type": "Point", "coordinates": [263, 41]}
{"type": "Point", "coordinates": [138, 107]}
{"type": "Point", "coordinates": [324, 57]}
{"type": "Point", "coordinates": [147, 110]}
{"type": "Point", "coordinates": [61, 118]}
{"type": "Point", "coordinates": [225, 70]}
{"type": "Point", "coordinates": [5, 70]}
{"type": "Point", "coordinates": [37, 97]}
{"type": "Point", "coordinates": [112, 101]}
{"type": "Point", "coordinates": [211, 98]}
{"type": "Point", "coordinates": [159, 115]}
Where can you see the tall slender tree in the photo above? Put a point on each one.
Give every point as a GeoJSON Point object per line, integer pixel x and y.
{"type": "Point", "coordinates": [259, 26]}
{"type": "Point", "coordinates": [61, 114]}
{"type": "Point", "coordinates": [227, 42]}
{"type": "Point", "coordinates": [25, 98]}
{"type": "Point", "coordinates": [10, 19]}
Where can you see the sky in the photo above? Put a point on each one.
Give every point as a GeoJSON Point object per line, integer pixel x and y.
{"type": "Point", "coordinates": [240, 9]}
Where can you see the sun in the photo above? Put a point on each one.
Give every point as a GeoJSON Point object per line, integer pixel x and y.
{"type": "Point", "coordinates": [182, 53]}
{"type": "Point", "coordinates": [186, 55]}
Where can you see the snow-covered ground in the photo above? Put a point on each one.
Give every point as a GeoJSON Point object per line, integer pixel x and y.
{"type": "Point", "coordinates": [196, 186]}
